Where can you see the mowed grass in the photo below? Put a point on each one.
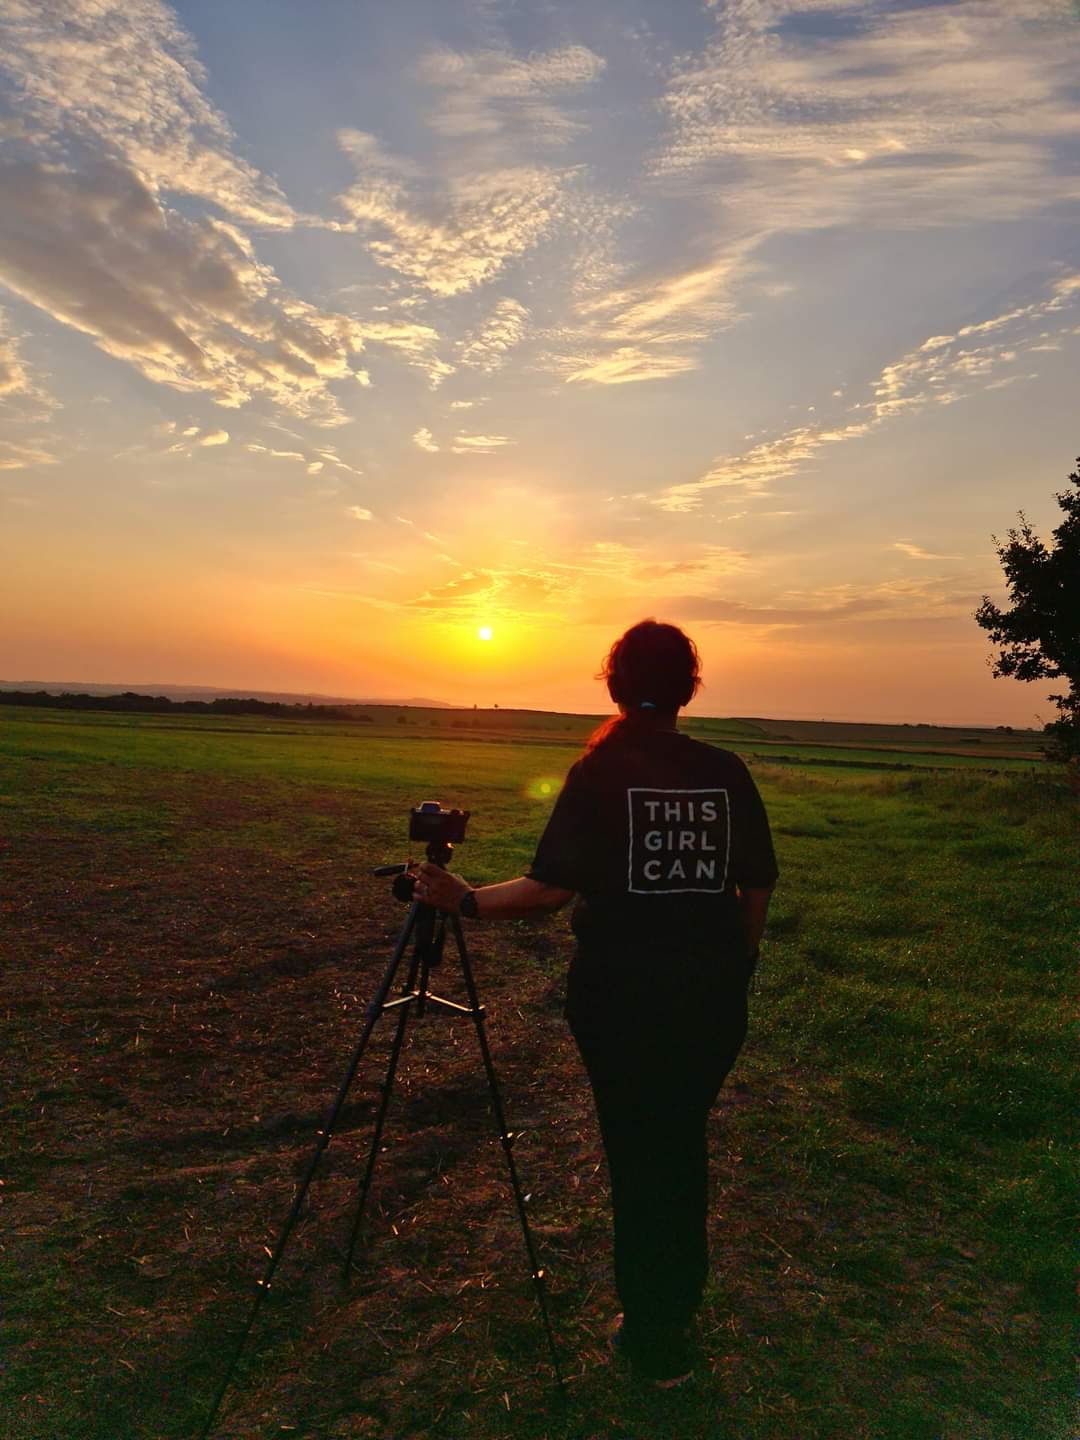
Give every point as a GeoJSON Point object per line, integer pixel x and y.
{"type": "Point", "coordinates": [190, 936]}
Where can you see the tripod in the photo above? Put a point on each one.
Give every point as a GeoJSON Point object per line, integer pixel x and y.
{"type": "Point", "coordinates": [427, 928]}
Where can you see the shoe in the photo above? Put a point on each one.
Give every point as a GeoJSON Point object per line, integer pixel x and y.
{"type": "Point", "coordinates": [668, 1366]}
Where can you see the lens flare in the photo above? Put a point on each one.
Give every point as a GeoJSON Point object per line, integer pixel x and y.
{"type": "Point", "coordinates": [544, 787]}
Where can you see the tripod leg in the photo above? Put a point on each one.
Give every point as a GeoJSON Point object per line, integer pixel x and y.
{"type": "Point", "coordinates": [374, 1010]}
{"type": "Point", "coordinates": [380, 1119]}
{"type": "Point", "coordinates": [507, 1145]}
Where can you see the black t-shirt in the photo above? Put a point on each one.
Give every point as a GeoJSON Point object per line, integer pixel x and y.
{"type": "Point", "coordinates": [654, 832]}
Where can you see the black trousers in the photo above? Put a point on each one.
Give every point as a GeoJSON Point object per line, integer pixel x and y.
{"type": "Point", "coordinates": [657, 1043]}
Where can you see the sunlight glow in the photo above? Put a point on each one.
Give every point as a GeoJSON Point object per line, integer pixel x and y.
{"type": "Point", "coordinates": [485, 632]}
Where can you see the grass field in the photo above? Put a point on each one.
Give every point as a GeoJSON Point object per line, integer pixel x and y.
{"type": "Point", "coordinates": [190, 935]}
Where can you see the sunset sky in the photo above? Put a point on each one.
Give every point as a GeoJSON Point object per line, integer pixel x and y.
{"type": "Point", "coordinates": [331, 333]}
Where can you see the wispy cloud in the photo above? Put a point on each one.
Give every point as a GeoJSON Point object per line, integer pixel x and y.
{"type": "Point", "coordinates": [652, 328]}
{"type": "Point", "coordinates": [460, 240]}
{"type": "Point", "coordinates": [417, 344]}
{"type": "Point", "coordinates": [916, 552]}
{"type": "Point", "coordinates": [624, 365]}
{"type": "Point", "coordinates": [910, 115]}
{"type": "Point", "coordinates": [328, 454]}
{"type": "Point", "coordinates": [499, 98]}
{"type": "Point", "coordinates": [297, 455]}
{"type": "Point", "coordinates": [945, 368]}
{"type": "Point", "coordinates": [23, 457]}
{"type": "Point", "coordinates": [940, 371]}
{"type": "Point", "coordinates": [123, 74]}
{"type": "Point", "coordinates": [940, 598]}
{"type": "Point", "coordinates": [14, 373]}
{"type": "Point", "coordinates": [608, 574]}
{"type": "Point", "coordinates": [22, 392]}
{"type": "Point", "coordinates": [529, 592]}
{"type": "Point", "coordinates": [756, 470]}
{"type": "Point", "coordinates": [497, 117]}
{"type": "Point", "coordinates": [479, 444]}
{"type": "Point", "coordinates": [799, 116]}
{"type": "Point", "coordinates": [488, 347]}
{"type": "Point", "coordinates": [113, 121]}
{"type": "Point", "coordinates": [185, 301]}
{"type": "Point", "coordinates": [424, 440]}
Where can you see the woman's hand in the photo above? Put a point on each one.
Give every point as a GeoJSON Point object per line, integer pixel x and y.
{"type": "Point", "coordinates": [438, 887]}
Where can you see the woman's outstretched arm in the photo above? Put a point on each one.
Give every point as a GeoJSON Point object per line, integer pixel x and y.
{"type": "Point", "coordinates": [509, 900]}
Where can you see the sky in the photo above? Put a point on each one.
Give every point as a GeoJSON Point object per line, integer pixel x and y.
{"type": "Point", "coordinates": [333, 334]}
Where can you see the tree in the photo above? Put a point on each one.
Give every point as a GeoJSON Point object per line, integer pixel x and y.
{"type": "Point", "coordinates": [1039, 637]}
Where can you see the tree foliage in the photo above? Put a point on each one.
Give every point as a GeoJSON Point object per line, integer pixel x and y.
{"type": "Point", "coordinates": [1039, 637]}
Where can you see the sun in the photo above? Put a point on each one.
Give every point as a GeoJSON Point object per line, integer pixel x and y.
{"type": "Point", "coordinates": [484, 633]}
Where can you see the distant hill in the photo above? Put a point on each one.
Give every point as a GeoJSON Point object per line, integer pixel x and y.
{"type": "Point", "coordinates": [209, 692]}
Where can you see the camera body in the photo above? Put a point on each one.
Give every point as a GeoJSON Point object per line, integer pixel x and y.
{"type": "Point", "coordinates": [432, 825]}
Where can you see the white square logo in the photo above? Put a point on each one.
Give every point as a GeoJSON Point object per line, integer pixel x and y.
{"type": "Point", "coordinates": [680, 840]}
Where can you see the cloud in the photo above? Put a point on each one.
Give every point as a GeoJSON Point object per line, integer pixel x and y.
{"type": "Point", "coordinates": [489, 346]}
{"type": "Point", "coordinates": [22, 393]}
{"type": "Point", "coordinates": [915, 552]}
{"type": "Point", "coordinates": [653, 326]}
{"type": "Point", "coordinates": [185, 301]}
{"type": "Point", "coordinates": [797, 116]}
{"type": "Point", "coordinates": [14, 374]}
{"type": "Point", "coordinates": [496, 97]}
{"type": "Point", "coordinates": [276, 454]}
{"type": "Point", "coordinates": [911, 115]}
{"type": "Point", "coordinates": [415, 343]}
{"type": "Point", "coordinates": [213, 437]}
{"type": "Point", "coordinates": [123, 75]}
{"type": "Point", "coordinates": [624, 365]}
{"type": "Point", "coordinates": [423, 439]}
{"type": "Point", "coordinates": [944, 368]}
{"type": "Point", "coordinates": [479, 444]}
{"type": "Point", "coordinates": [758, 469]}
{"type": "Point", "coordinates": [449, 596]}
{"type": "Point", "coordinates": [526, 593]}
{"type": "Point", "coordinates": [1007, 380]}
{"type": "Point", "coordinates": [452, 243]}
{"type": "Point", "coordinates": [707, 564]}
{"type": "Point", "coordinates": [358, 512]}
{"type": "Point", "coordinates": [938, 598]}
{"type": "Point", "coordinates": [331, 457]}
{"type": "Point", "coordinates": [496, 119]}
{"type": "Point", "coordinates": [940, 371]}
{"type": "Point", "coordinates": [23, 457]}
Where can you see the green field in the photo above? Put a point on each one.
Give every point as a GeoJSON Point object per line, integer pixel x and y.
{"type": "Point", "coordinates": [190, 935]}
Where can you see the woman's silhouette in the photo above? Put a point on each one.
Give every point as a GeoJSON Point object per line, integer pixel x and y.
{"type": "Point", "coordinates": [665, 844]}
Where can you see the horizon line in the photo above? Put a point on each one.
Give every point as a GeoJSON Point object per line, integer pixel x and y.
{"type": "Point", "coordinates": [422, 703]}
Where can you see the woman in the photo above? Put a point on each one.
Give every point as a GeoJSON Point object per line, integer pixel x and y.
{"type": "Point", "coordinates": [665, 843]}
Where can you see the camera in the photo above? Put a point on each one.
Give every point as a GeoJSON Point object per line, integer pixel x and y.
{"type": "Point", "coordinates": [433, 825]}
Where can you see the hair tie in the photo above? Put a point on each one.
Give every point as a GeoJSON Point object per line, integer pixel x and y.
{"type": "Point", "coordinates": [647, 705]}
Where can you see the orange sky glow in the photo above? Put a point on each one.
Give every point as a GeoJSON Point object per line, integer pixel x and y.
{"type": "Point", "coordinates": [325, 350]}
